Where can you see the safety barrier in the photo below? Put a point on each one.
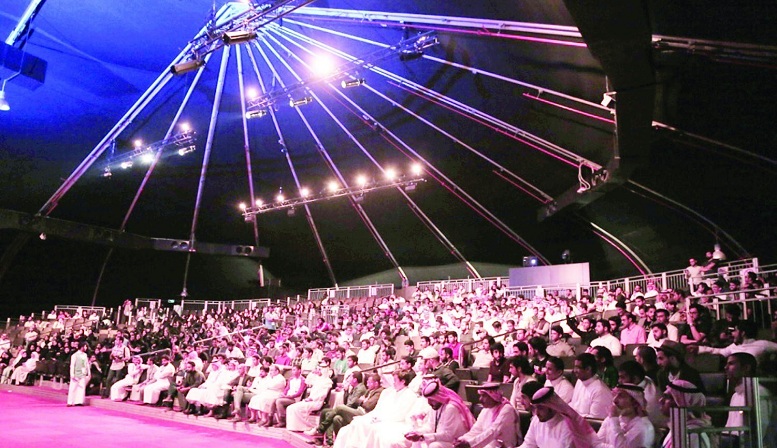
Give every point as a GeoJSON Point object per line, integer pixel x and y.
{"type": "Point", "coordinates": [348, 292]}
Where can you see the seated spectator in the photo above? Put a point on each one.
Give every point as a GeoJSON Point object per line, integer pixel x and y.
{"type": "Point", "coordinates": [213, 391]}
{"type": "Point", "coordinates": [627, 424]}
{"type": "Point", "coordinates": [134, 370]}
{"type": "Point", "coordinates": [555, 424]}
{"type": "Point", "coordinates": [554, 374]}
{"type": "Point", "coordinates": [447, 359]}
{"type": "Point", "coordinates": [262, 405]}
{"type": "Point", "coordinates": [646, 357]}
{"type": "Point", "coordinates": [498, 367]}
{"type": "Point", "coordinates": [300, 415]}
{"type": "Point", "coordinates": [605, 339]}
{"type": "Point", "coordinates": [740, 365]}
{"type": "Point", "coordinates": [698, 325]}
{"type": "Point", "coordinates": [585, 329]}
{"type": "Point", "coordinates": [591, 398]}
{"type": "Point", "coordinates": [447, 420]}
{"type": "Point", "coordinates": [295, 388]}
{"type": "Point", "coordinates": [19, 375]}
{"type": "Point", "coordinates": [497, 424]}
{"type": "Point", "coordinates": [432, 365]}
{"type": "Point", "coordinates": [682, 393]}
{"type": "Point", "coordinates": [521, 372]}
{"type": "Point", "coordinates": [160, 383]}
{"type": "Point", "coordinates": [559, 346]}
{"type": "Point", "coordinates": [632, 372]}
{"type": "Point", "coordinates": [605, 366]}
{"type": "Point", "coordinates": [191, 379]}
{"type": "Point", "coordinates": [149, 368]}
{"type": "Point", "coordinates": [743, 334]}
{"type": "Point", "coordinates": [394, 406]}
{"type": "Point", "coordinates": [631, 332]}
{"type": "Point", "coordinates": [538, 356]}
{"type": "Point", "coordinates": [658, 332]}
{"type": "Point", "coordinates": [672, 366]}
{"type": "Point", "coordinates": [481, 354]}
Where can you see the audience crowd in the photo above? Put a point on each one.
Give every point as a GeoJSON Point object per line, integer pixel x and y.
{"type": "Point", "coordinates": [443, 368]}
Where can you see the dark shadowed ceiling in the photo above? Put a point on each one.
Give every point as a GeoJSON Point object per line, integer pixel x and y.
{"type": "Point", "coordinates": [713, 182]}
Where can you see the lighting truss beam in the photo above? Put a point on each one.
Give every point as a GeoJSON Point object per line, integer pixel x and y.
{"type": "Point", "coordinates": [238, 23]}
{"type": "Point", "coordinates": [183, 140]}
{"type": "Point", "coordinates": [416, 43]}
{"type": "Point", "coordinates": [507, 129]}
{"type": "Point", "coordinates": [342, 192]}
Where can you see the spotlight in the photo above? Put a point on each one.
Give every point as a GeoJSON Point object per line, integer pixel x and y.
{"type": "Point", "coordinates": [566, 256]}
{"type": "Point", "coordinates": [187, 150]}
{"type": "Point", "coordinates": [186, 67]}
{"type": "Point", "coordinates": [280, 197]}
{"type": "Point", "coordinates": [238, 37]}
{"type": "Point", "coordinates": [185, 127]}
{"type": "Point", "coordinates": [417, 169]}
{"type": "Point", "coordinates": [347, 84]}
{"type": "Point", "coordinates": [322, 66]}
{"type": "Point", "coordinates": [4, 106]}
{"type": "Point", "coordinates": [126, 165]}
{"type": "Point", "coordinates": [256, 113]}
{"type": "Point", "coordinates": [252, 93]}
{"type": "Point", "coordinates": [138, 143]}
{"type": "Point", "coordinates": [530, 261]}
{"type": "Point", "coordinates": [390, 174]}
{"type": "Point", "coordinates": [259, 202]}
{"type": "Point", "coordinates": [300, 102]}
{"type": "Point", "coordinates": [333, 186]}
{"type": "Point", "coordinates": [304, 192]}
{"type": "Point", "coordinates": [242, 206]}
{"type": "Point", "coordinates": [410, 55]}
{"type": "Point", "coordinates": [424, 42]}
{"type": "Point", "coordinates": [147, 158]}
{"type": "Point", "coordinates": [361, 180]}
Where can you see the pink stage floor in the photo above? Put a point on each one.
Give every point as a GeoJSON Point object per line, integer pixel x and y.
{"type": "Point", "coordinates": [30, 421]}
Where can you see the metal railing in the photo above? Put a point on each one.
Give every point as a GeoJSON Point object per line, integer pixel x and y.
{"type": "Point", "coordinates": [84, 310]}
{"type": "Point", "coordinates": [465, 284]}
{"type": "Point", "coordinates": [349, 292]}
{"type": "Point", "coordinates": [752, 412]}
{"type": "Point", "coordinates": [196, 306]}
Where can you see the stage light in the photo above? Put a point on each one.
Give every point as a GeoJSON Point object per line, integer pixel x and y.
{"type": "Point", "coordinates": [259, 202]}
{"type": "Point", "coordinates": [147, 158]}
{"type": "Point", "coordinates": [256, 113]}
{"type": "Point", "coordinates": [304, 192]}
{"type": "Point", "coordinates": [252, 93]}
{"type": "Point", "coordinates": [333, 186]}
{"type": "Point", "coordinates": [416, 169]}
{"type": "Point", "coordinates": [138, 143]}
{"type": "Point", "coordinates": [126, 165]}
{"type": "Point", "coordinates": [238, 37]}
{"type": "Point", "coordinates": [530, 261]}
{"type": "Point", "coordinates": [242, 206]}
{"type": "Point", "coordinates": [185, 127]}
{"type": "Point", "coordinates": [187, 150]}
{"type": "Point", "coordinates": [300, 102]}
{"type": "Point", "coordinates": [390, 173]}
{"type": "Point", "coordinates": [186, 67]}
{"type": "Point", "coordinates": [425, 42]}
{"type": "Point", "coordinates": [410, 55]}
{"type": "Point", "coordinates": [348, 83]}
{"type": "Point", "coordinates": [280, 197]}
{"type": "Point", "coordinates": [322, 66]}
{"type": "Point", "coordinates": [361, 180]}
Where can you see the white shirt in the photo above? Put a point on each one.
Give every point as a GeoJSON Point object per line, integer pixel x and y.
{"type": "Point", "coordinates": [563, 388]}
{"type": "Point", "coordinates": [591, 398]}
{"type": "Point", "coordinates": [621, 432]}
{"type": "Point", "coordinates": [498, 423]}
{"type": "Point", "coordinates": [609, 341]}
{"type": "Point", "coordinates": [553, 433]}
{"type": "Point", "coordinates": [735, 418]}
{"type": "Point", "coordinates": [755, 347]}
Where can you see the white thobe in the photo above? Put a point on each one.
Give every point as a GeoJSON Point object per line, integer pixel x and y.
{"type": "Point", "coordinates": [498, 423]}
{"type": "Point", "coordinates": [562, 387]}
{"type": "Point", "coordinates": [119, 388]}
{"type": "Point", "coordinates": [609, 341]}
{"type": "Point", "coordinates": [442, 427]}
{"type": "Point", "coordinates": [591, 398]}
{"type": "Point", "coordinates": [264, 400]}
{"type": "Point", "coordinates": [79, 377]}
{"type": "Point", "coordinates": [621, 432]}
{"type": "Point", "coordinates": [736, 418]}
{"type": "Point", "coordinates": [161, 383]}
{"type": "Point", "coordinates": [393, 407]}
{"type": "Point", "coordinates": [299, 415]}
{"type": "Point", "coordinates": [553, 433]}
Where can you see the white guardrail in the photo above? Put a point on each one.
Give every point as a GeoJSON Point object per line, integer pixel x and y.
{"type": "Point", "coordinates": [351, 292]}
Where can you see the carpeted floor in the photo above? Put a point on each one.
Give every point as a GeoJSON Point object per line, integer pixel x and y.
{"type": "Point", "coordinates": [30, 421]}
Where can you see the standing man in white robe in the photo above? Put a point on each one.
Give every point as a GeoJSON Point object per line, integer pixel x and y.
{"type": "Point", "coordinates": [79, 376]}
